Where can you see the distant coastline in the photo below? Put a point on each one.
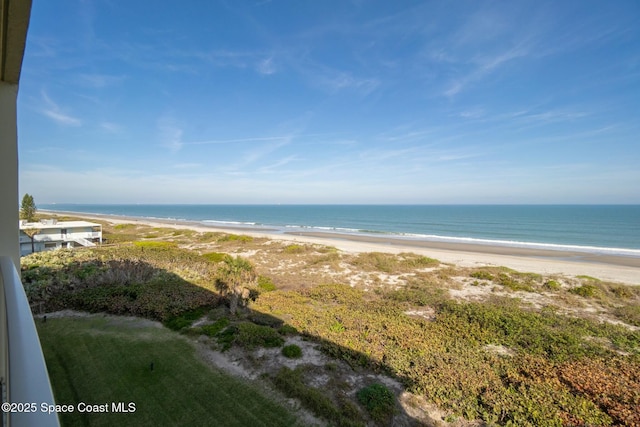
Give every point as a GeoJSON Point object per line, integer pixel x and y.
{"type": "Point", "coordinates": [620, 268]}
{"type": "Point", "coordinates": [594, 230]}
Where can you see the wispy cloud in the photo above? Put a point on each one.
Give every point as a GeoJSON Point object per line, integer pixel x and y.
{"type": "Point", "coordinates": [186, 165]}
{"type": "Point", "coordinates": [347, 81]}
{"type": "Point", "coordinates": [111, 127]}
{"type": "Point", "coordinates": [336, 81]}
{"type": "Point", "coordinates": [483, 66]}
{"type": "Point", "coordinates": [170, 134]}
{"type": "Point", "coordinates": [99, 81]}
{"type": "Point", "coordinates": [54, 112]}
{"type": "Point", "coordinates": [278, 164]}
{"type": "Point", "coordinates": [235, 140]}
{"type": "Point", "coordinates": [257, 153]}
{"type": "Point", "coordinates": [267, 66]}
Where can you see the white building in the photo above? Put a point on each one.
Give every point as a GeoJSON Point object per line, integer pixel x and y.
{"type": "Point", "coordinates": [53, 234]}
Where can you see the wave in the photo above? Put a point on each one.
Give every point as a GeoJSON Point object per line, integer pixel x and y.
{"type": "Point", "coordinates": [526, 245]}
{"type": "Point", "coordinates": [215, 221]}
{"type": "Point", "coordinates": [323, 229]}
{"type": "Point", "coordinates": [477, 241]}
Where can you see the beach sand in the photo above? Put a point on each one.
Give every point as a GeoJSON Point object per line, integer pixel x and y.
{"type": "Point", "coordinates": [615, 268]}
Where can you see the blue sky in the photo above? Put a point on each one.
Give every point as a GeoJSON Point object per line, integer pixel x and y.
{"type": "Point", "coordinates": [273, 101]}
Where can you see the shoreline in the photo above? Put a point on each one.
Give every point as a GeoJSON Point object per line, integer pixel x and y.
{"type": "Point", "coordinates": [618, 268]}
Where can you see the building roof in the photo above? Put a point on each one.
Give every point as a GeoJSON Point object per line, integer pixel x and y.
{"type": "Point", "coordinates": [57, 225]}
{"type": "Point", "coordinates": [14, 16]}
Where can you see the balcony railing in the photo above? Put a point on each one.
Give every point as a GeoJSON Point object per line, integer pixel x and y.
{"type": "Point", "coordinates": [24, 373]}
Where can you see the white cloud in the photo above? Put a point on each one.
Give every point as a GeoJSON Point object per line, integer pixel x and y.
{"type": "Point", "coordinates": [186, 165]}
{"type": "Point", "coordinates": [342, 81]}
{"type": "Point", "coordinates": [111, 127]}
{"type": "Point", "coordinates": [483, 66]}
{"type": "Point", "coordinates": [266, 66]}
{"type": "Point", "coordinates": [53, 111]}
{"type": "Point", "coordinates": [170, 134]}
{"type": "Point", "coordinates": [231, 141]}
{"type": "Point", "coordinates": [99, 81]}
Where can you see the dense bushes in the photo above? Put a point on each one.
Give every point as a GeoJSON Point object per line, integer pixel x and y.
{"type": "Point", "coordinates": [379, 401]}
{"type": "Point", "coordinates": [251, 335]}
{"type": "Point", "coordinates": [137, 280]}
{"type": "Point", "coordinates": [292, 351]}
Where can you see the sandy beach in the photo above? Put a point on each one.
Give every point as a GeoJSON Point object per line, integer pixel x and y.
{"type": "Point", "coordinates": [571, 263]}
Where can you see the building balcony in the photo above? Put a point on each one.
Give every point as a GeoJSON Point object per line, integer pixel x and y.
{"type": "Point", "coordinates": [23, 372]}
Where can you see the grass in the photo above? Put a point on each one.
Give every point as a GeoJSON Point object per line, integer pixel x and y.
{"type": "Point", "coordinates": [388, 263]}
{"type": "Point", "coordinates": [294, 249]}
{"type": "Point", "coordinates": [215, 257]}
{"type": "Point", "coordinates": [586, 291]}
{"type": "Point", "coordinates": [235, 238]}
{"type": "Point", "coordinates": [265, 284]}
{"type": "Point", "coordinates": [98, 360]}
{"type": "Point", "coordinates": [292, 383]}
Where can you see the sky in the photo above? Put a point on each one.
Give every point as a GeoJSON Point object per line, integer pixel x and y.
{"type": "Point", "coordinates": [331, 101]}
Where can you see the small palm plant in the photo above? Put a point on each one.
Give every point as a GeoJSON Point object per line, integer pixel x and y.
{"type": "Point", "coordinates": [235, 275]}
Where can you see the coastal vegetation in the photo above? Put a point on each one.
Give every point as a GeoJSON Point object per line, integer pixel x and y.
{"type": "Point", "coordinates": [445, 344]}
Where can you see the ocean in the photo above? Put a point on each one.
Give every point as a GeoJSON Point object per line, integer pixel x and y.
{"type": "Point", "coordinates": [606, 229]}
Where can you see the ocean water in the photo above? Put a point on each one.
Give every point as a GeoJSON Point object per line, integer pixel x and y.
{"type": "Point", "coordinates": [612, 229]}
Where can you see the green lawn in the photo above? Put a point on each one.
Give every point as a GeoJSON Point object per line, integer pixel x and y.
{"type": "Point", "coordinates": [98, 360]}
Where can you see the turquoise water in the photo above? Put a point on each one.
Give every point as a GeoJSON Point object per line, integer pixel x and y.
{"type": "Point", "coordinates": [592, 228]}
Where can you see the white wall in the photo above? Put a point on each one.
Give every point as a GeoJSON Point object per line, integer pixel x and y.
{"type": "Point", "coordinates": [9, 245]}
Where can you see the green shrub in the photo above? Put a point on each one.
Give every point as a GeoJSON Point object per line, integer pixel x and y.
{"type": "Point", "coordinates": [337, 327]}
{"type": "Point", "coordinates": [294, 249]}
{"type": "Point", "coordinates": [629, 314]}
{"type": "Point", "coordinates": [418, 295]}
{"type": "Point", "coordinates": [215, 256]}
{"type": "Point", "coordinates": [287, 330]}
{"type": "Point", "coordinates": [227, 337]}
{"type": "Point", "coordinates": [376, 261]}
{"type": "Point", "coordinates": [207, 237]}
{"type": "Point", "coordinates": [411, 260]}
{"type": "Point", "coordinates": [215, 328]}
{"type": "Point", "coordinates": [235, 238]}
{"type": "Point", "coordinates": [292, 351]}
{"type": "Point", "coordinates": [378, 400]}
{"type": "Point", "coordinates": [510, 283]}
{"type": "Point", "coordinates": [482, 275]}
{"type": "Point", "coordinates": [265, 284]}
{"type": "Point", "coordinates": [623, 291]}
{"type": "Point", "coordinates": [154, 245]}
{"type": "Point", "coordinates": [124, 226]}
{"type": "Point", "coordinates": [184, 320]}
{"type": "Point", "coordinates": [292, 384]}
{"type": "Point", "coordinates": [552, 285]}
{"type": "Point", "coordinates": [251, 335]}
{"type": "Point", "coordinates": [586, 291]}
